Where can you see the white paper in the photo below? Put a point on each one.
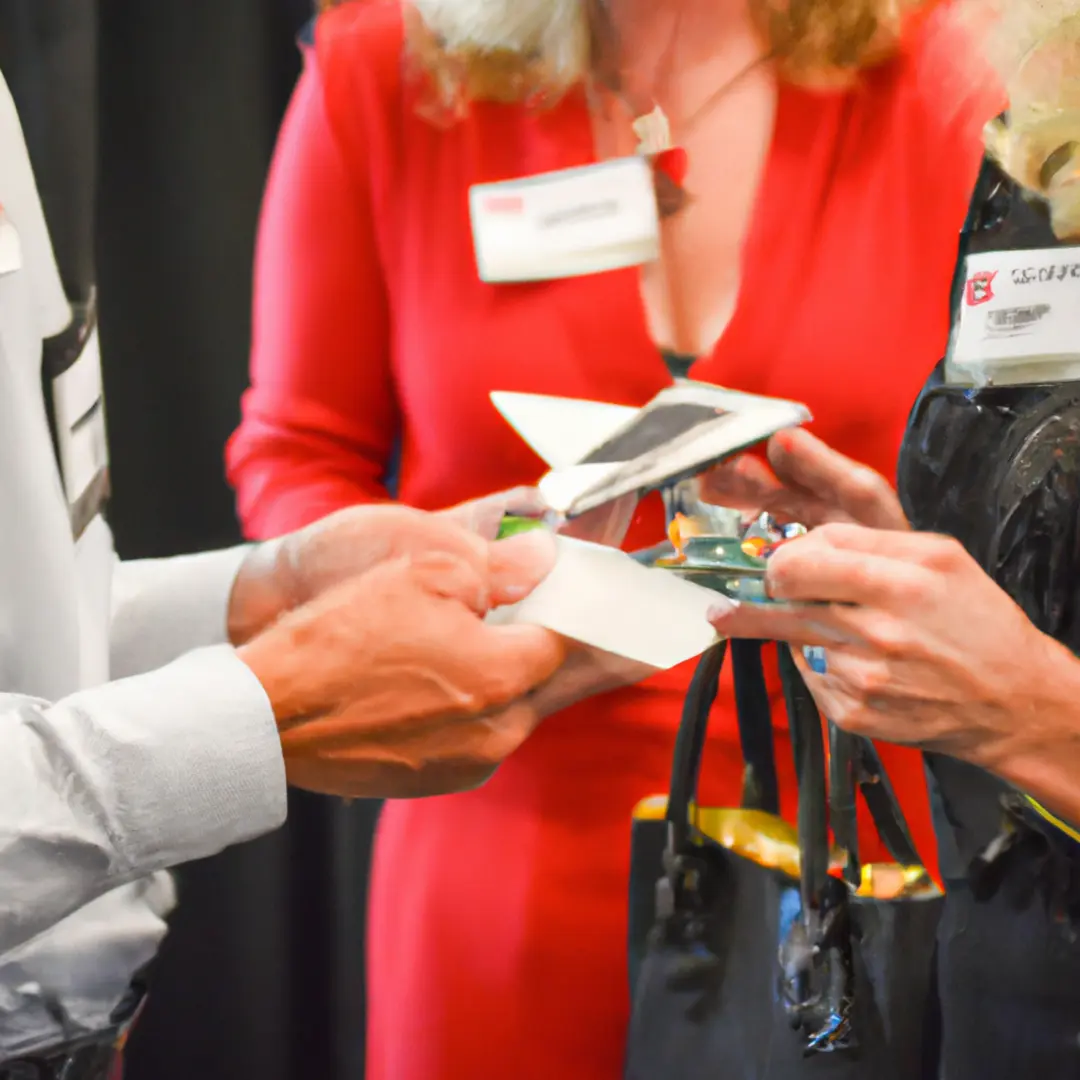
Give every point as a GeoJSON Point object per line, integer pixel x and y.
{"type": "Point", "coordinates": [567, 223]}
{"type": "Point", "coordinates": [1019, 307]}
{"type": "Point", "coordinates": [560, 430]}
{"type": "Point", "coordinates": [564, 431]}
{"type": "Point", "coordinates": [601, 597]}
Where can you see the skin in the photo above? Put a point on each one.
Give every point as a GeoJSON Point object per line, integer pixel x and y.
{"type": "Point", "coordinates": [923, 647]}
{"type": "Point", "coordinates": [682, 54]}
{"type": "Point", "coordinates": [366, 631]}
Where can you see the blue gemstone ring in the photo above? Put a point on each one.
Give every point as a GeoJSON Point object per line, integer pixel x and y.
{"type": "Point", "coordinates": [814, 655]}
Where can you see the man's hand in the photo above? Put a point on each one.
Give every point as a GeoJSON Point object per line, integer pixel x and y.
{"type": "Point", "coordinates": [807, 482]}
{"type": "Point", "coordinates": [283, 574]}
{"type": "Point", "coordinates": [390, 685]}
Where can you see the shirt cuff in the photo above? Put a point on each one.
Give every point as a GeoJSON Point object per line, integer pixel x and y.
{"type": "Point", "coordinates": [190, 754]}
{"type": "Point", "coordinates": [162, 608]}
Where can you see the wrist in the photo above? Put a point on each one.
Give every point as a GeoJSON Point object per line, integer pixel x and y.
{"type": "Point", "coordinates": [262, 591]}
{"type": "Point", "coordinates": [1040, 753]}
{"type": "Point", "coordinates": [271, 659]}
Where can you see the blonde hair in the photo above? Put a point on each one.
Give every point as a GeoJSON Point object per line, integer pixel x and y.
{"type": "Point", "coordinates": [814, 42]}
{"type": "Point", "coordinates": [1023, 55]}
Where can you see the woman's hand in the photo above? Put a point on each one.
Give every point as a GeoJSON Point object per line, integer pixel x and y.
{"type": "Point", "coordinates": [807, 482]}
{"type": "Point", "coordinates": [921, 648]}
{"type": "Point", "coordinates": [585, 673]}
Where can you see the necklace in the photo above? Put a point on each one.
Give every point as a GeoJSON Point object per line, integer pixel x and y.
{"type": "Point", "coordinates": [670, 161]}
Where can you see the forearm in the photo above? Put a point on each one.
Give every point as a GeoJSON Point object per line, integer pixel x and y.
{"type": "Point", "coordinates": [113, 783]}
{"type": "Point", "coordinates": [1042, 756]}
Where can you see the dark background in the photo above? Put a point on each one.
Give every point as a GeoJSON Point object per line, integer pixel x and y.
{"type": "Point", "coordinates": [173, 105]}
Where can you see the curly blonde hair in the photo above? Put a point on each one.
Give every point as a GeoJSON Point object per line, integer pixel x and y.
{"type": "Point", "coordinates": [815, 42]}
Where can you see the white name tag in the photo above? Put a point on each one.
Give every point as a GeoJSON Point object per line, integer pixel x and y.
{"type": "Point", "coordinates": [80, 421]}
{"type": "Point", "coordinates": [567, 223]}
{"type": "Point", "coordinates": [10, 245]}
{"type": "Point", "coordinates": [1020, 309]}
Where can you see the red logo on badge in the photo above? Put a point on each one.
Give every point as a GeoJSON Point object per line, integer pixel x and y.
{"type": "Point", "coordinates": [980, 288]}
{"type": "Point", "coordinates": [504, 204]}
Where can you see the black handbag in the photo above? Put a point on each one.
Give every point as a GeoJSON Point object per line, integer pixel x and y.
{"type": "Point", "coordinates": [750, 971]}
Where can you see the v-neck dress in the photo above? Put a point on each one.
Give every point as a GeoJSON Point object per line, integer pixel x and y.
{"type": "Point", "coordinates": [498, 918]}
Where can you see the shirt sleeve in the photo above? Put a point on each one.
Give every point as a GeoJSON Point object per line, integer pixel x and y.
{"type": "Point", "coordinates": [321, 417]}
{"type": "Point", "coordinates": [163, 608]}
{"type": "Point", "coordinates": [111, 784]}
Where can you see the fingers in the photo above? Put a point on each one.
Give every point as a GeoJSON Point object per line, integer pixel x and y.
{"type": "Point", "coordinates": [483, 516]}
{"type": "Point", "coordinates": [518, 564]}
{"type": "Point", "coordinates": [746, 483]}
{"type": "Point", "coordinates": [850, 564]}
{"type": "Point", "coordinates": [741, 483]}
{"type": "Point", "coordinates": [586, 672]}
{"type": "Point", "coordinates": [520, 658]}
{"type": "Point", "coordinates": [803, 462]}
{"type": "Point", "coordinates": [799, 625]}
{"type": "Point", "coordinates": [845, 577]}
{"type": "Point", "coordinates": [441, 575]}
{"type": "Point", "coordinates": [926, 549]}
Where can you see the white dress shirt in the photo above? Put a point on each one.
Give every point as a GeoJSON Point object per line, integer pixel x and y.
{"type": "Point", "coordinates": [102, 784]}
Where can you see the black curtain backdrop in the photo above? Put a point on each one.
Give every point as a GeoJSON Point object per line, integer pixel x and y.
{"type": "Point", "coordinates": [262, 974]}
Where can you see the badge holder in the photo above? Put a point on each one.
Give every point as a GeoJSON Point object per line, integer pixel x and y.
{"type": "Point", "coordinates": [732, 565]}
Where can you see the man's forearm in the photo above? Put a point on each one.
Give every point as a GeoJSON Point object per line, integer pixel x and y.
{"type": "Point", "coordinates": [115, 782]}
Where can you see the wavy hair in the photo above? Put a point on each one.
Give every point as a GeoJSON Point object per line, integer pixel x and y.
{"type": "Point", "coordinates": [814, 42]}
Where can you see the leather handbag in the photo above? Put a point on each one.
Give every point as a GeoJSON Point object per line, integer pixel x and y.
{"type": "Point", "coordinates": [750, 964]}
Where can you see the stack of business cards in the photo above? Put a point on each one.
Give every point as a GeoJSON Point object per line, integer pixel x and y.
{"type": "Point", "coordinates": [599, 452]}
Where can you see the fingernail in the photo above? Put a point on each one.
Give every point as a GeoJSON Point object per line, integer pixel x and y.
{"type": "Point", "coordinates": [521, 562]}
{"type": "Point", "coordinates": [538, 543]}
{"type": "Point", "coordinates": [721, 610]}
{"type": "Point", "coordinates": [776, 545]}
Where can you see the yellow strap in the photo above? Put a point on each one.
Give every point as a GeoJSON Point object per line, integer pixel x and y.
{"type": "Point", "coordinates": [1068, 830]}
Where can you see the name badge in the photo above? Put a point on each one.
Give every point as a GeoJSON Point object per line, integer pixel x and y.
{"type": "Point", "coordinates": [567, 223]}
{"type": "Point", "coordinates": [10, 245]}
{"type": "Point", "coordinates": [79, 415]}
{"type": "Point", "coordinates": [1019, 315]}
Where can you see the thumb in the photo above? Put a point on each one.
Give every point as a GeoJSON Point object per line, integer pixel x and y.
{"type": "Point", "coordinates": [519, 563]}
{"type": "Point", "coordinates": [525, 656]}
{"type": "Point", "coordinates": [483, 516]}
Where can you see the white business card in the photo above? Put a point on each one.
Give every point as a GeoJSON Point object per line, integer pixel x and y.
{"type": "Point", "coordinates": [602, 597]}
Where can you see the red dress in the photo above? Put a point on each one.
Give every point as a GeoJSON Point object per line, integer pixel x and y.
{"type": "Point", "coordinates": [497, 938]}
